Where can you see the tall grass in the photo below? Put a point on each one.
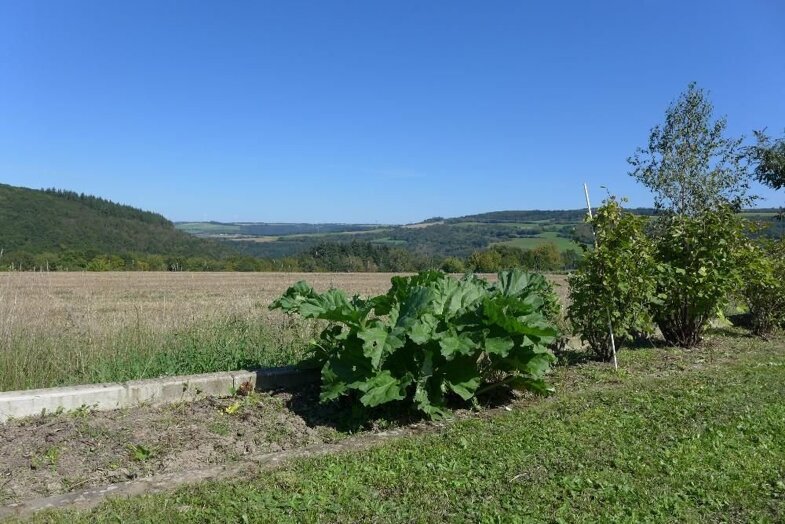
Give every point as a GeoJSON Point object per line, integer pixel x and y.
{"type": "Point", "coordinates": [226, 344]}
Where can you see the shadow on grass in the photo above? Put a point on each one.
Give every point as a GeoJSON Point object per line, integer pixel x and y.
{"type": "Point", "coordinates": [347, 415]}
{"type": "Point", "coordinates": [741, 320]}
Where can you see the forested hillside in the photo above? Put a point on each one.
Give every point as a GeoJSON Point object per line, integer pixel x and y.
{"type": "Point", "coordinates": [81, 227]}
{"type": "Point", "coordinates": [61, 230]}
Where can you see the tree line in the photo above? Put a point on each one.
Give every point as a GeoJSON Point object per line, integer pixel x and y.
{"type": "Point", "coordinates": [354, 256]}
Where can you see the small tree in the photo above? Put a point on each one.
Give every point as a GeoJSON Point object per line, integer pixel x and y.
{"type": "Point", "coordinates": [453, 265]}
{"type": "Point", "coordinates": [699, 178]}
{"type": "Point", "coordinates": [547, 257]}
{"type": "Point", "coordinates": [487, 261]}
{"type": "Point", "coordinates": [613, 282]}
{"type": "Point", "coordinates": [689, 164]}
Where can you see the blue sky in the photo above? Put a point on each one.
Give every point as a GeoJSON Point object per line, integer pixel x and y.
{"type": "Point", "coordinates": [366, 111]}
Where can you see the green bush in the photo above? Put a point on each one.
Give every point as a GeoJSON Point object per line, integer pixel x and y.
{"type": "Point", "coordinates": [700, 262]}
{"type": "Point", "coordinates": [431, 336]}
{"type": "Point", "coordinates": [764, 286]}
{"type": "Point", "coordinates": [453, 265]}
{"type": "Point", "coordinates": [487, 261]}
{"type": "Point", "coordinates": [613, 282]}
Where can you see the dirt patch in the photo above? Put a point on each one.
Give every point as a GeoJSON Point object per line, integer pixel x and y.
{"type": "Point", "coordinates": [42, 456]}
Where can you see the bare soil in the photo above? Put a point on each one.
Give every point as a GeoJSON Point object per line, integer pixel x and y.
{"type": "Point", "coordinates": [53, 454]}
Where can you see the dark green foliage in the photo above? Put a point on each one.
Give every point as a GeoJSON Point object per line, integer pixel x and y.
{"type": "Point", "coordinates": [361, 256]}
{"type": "Point", "coordinates": [700, 262]}
{"type": "Point", "coordinates": [74, 229]}
{"type": "Point", "coordinates": [453, 265]}
{"type": "Point", "coordinates": [541, 258]}
{"type": "Point", "coordinates": [109, 208]}
{"type": "Point", "coordinates": [431, 336]}
{"type": "Point", "coordinates": [768, 156]}
{"type": "Point", "coordinates": [614, 282]}
{"type": "Point", "coordinates": [486, 261]}
{"type": "Point", "coordinates": [437, 240]}
{"type": "Point", "coordinates": [764, 286]}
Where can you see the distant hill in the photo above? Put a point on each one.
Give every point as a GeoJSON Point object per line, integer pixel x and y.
{"type": "Point", "coordinates": [560, 216]}
{"type": "Point", "coordinates": [259, 229]}
{"type": "Point", "coordinates": [56, 221]}
{"type": "Point", "coordinates": [436, 237]}
{"type": "Point", "coordinates": [62, 230]}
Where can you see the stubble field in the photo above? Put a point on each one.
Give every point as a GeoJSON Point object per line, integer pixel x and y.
{"type": "Point", "coordinates": [72, 328]}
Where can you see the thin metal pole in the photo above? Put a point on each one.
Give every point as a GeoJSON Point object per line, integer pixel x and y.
{"type": "Point", "coordinates": [610, 324]}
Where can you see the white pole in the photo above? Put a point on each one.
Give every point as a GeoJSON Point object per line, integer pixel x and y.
{"type": "Point", "coordinates": [610, 324]}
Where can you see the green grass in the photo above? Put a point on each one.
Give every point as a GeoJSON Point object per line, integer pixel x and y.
{"type": "Point", "coordinates": [195, 228]}
{"type": "Point", "coordinates": [759, 214]}
{"type": "Point", "coordinates": [222, 344]}
{"type": "Point", "coordinates": [563, 244]}
{"type": "Point", "coordinates": [676, 436]}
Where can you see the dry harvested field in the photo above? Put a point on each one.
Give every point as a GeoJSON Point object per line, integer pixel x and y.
{"type": "Point", "coordinates": [68, 328]}
{"type": "Point", "coordinates": [98, 303]}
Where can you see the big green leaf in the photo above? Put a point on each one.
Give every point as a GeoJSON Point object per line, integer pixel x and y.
{"type": "Point", "coordinates": [462, 376]}
{"type": "Point", "coordinates": [378, 342]}
{"type": "Point", "coordinates": [499, 345]}
{"type": "Point", "coordinates": [382, 388]}
{"type": "Point", "coordinates": [512, 283]}
{"type": "Point", "coordinates": [453, 343]}
{"type": "Point", "coordinates": [423, 329]}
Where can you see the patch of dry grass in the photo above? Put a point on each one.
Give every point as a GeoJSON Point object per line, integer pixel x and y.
{"type": "Point", "coordinates": [69, 328]}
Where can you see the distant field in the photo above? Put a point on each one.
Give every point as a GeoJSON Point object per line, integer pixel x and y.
{"type": "Point", "coordinates": [208, 228]}
{"type": "Point", "coordinates": [767, 214]}
{"type": "Point", "coordinates": [71, 328]}
{"type": "Point", "coordinates": [252, 229]}
{"type": "Point", "coordinates": [562, 244]}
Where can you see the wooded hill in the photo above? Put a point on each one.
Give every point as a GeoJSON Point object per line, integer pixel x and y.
{"type": "Point", "coordinates": [64, 230]}
{"type": "Point", "coordinates": [33, 222]}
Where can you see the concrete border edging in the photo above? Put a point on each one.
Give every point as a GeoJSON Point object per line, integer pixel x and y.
{"type": "Point", "coordinates": [156, 391]}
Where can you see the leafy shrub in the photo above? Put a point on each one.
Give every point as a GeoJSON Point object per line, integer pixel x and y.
{"type": "Point", "coordinates": [487, 261]}
{"type": "Point", "coordinates": [764, 287]}
{"type": "Point", "coordinates": [699, 263]}
{"type": "Point", "coordinates": [431, 336]}
{"type": "Point", "coordinates": [613, 282]}
{"type": "Point", "coordinates": [453, 265]}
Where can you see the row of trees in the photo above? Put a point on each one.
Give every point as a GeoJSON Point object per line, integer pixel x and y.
{"type": "Point", "coordinates": [353, 256]}
{"type": "Point", "coordinates": [678, 270]}
{"type": "Point", "coordinates": [546, 257]}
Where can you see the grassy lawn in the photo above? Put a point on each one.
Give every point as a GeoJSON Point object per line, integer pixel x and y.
{"type": "Point", "coordinates": [680, 436]}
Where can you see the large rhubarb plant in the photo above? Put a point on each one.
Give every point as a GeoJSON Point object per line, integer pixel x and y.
{"type": "Point", "coordinates": [431, 336]}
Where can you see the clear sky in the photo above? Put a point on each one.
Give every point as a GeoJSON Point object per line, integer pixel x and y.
{"type": "Point", "coordinates": [366, 111]}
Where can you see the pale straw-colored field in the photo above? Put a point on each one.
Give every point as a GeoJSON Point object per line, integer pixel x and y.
{"type": "Point", "coordinates": [66, 328]}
